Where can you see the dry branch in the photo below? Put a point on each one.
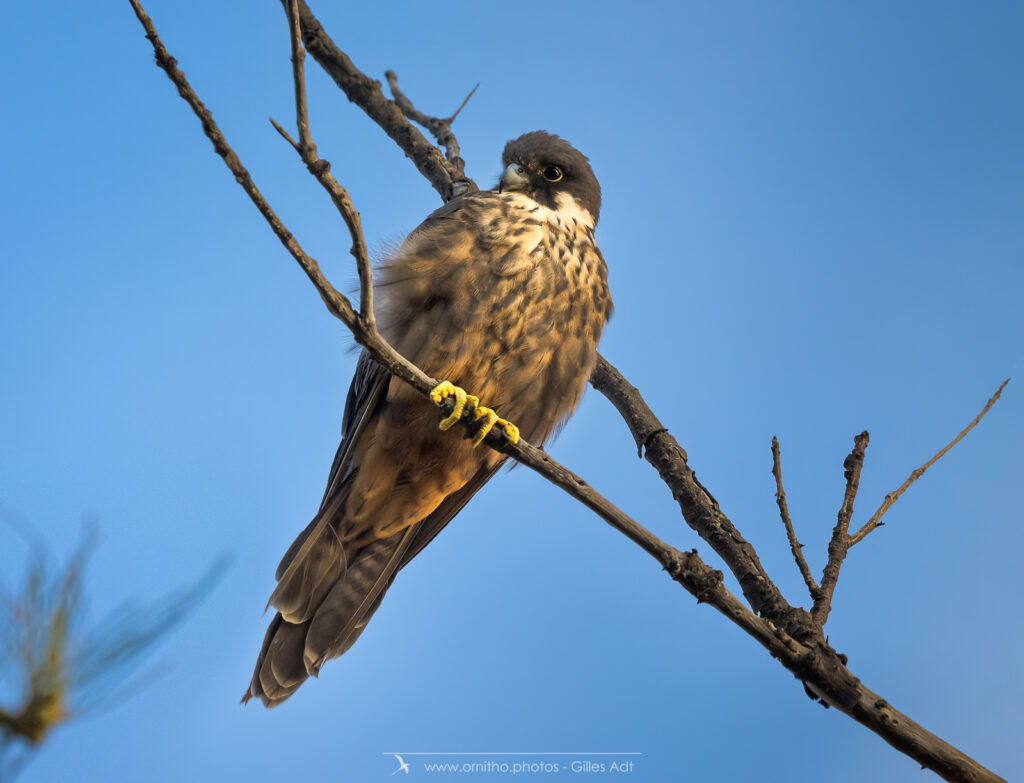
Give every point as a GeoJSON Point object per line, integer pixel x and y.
{"type": "Point", "coordinates": [789, 634]}
{"type": "Point", "coordinates": [840, 541]}
{"type": "Point", "coordinates": [892, 497]}
{"type": "Point", "coordinates": [699, 508]}
{"type": "Point", "coordinates": [795, 546]}
{"type": "Point", "coordinates": [367, 95]}
{"type": "Point", "coordinates": [321, 171]}
{"type": "Point", "coordinates": [441, 127]}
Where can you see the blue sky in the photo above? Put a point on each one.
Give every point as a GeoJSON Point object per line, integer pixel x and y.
{"type": "Point", "coordinates": [813, 225]}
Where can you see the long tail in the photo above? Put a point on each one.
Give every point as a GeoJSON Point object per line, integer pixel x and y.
{"type": "Point", "coordinates": [323, 629]}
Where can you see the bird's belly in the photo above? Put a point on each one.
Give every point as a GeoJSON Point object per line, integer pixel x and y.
{"type": "Point", "coordinates": [537, 362]}
{"type": "Point", "coordinates": [522, 339]}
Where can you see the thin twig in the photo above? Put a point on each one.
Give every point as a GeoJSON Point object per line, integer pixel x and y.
{"type": "Point", "coordinates": [299, 80]}
{"type": "Point", "coordinates": [840, 542]}
{"type": "Point", "coordinates": [794, 545]}
{"type": "Point", "coordinates": [462, 105]}
{"type": "Point", "coordinates": [366, 93]}
{"type": "Point", "coordinates": [440, 127]}
{"type": "Point", "coordinates": [337, 303]}
{"type": "Point", "coordinates": [321, 170]}
{"type": "Point", "coordinates": [892, 497]}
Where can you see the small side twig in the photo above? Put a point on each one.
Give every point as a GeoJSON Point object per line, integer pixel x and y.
{"type": "Point", "coordinates": [794, 544]}
{"type": "Point", "coordinates": [441, 127]}
{"type": "Point", "coordinates": [337, 303]}
{"type": "Point", "coordinates": [892, 497]}
{"type": "Point", "coordinates": [366, 93]}
{"type": "Point", "coordinates": [321, 169]}
{"type": "Point", "coordinates": [840, 542]}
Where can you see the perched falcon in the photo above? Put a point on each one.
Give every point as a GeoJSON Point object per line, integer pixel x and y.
{"type": "Point", "coordinates": [500, 293]}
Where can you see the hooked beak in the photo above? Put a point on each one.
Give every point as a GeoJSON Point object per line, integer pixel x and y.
{"type": "Point", "coordinates": [513, 178]}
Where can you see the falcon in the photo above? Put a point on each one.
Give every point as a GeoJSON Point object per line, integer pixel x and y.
{"type": "Point", "coordinates": [501, 293]}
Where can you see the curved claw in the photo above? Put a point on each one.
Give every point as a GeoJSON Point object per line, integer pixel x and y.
{"type": "Point", "coordinates": [511, 431]}
{"type": "Point", "coordinates": [447, 389]}
{"type": "Point", "coordinates": [490, 420]}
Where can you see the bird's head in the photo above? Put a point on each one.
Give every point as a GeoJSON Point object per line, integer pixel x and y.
{"type": "Point", "coordinates": [550, 170]}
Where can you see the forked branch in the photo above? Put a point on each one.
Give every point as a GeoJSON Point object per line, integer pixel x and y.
{"type": "Point", "coordinates": [441, 127]}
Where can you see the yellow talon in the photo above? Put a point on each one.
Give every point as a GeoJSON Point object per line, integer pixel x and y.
{"type": "Point", "coordinates": [447, 389]}
{"type": "Point", "coordinates": [443, 391]}
{"type": "Point", "coordinates": [511, 431]}
{"type": "Point", "coordinates": [490, 419]}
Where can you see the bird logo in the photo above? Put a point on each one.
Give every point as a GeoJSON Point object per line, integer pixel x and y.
{"type": "Point", "coordinates": [403, 766]}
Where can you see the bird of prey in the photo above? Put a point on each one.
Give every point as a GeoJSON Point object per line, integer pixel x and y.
{"type": "Point", "coordinates": [500, 293]}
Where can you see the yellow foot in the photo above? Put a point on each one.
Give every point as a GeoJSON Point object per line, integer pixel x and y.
{"type": "Point", "coordinates": [490, 419]}
{"type": "Point", "coordinates": [446, 389]}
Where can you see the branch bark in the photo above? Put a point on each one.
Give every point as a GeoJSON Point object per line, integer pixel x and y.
{"type": "Point", "coordinates": [367, 95]}
{"type": "Point", "coordinates": [699, 508]}
{"type": "Point", "coordinates": [840, 541]}
{"type": "Point", "coordinates": [441, 128]}
{"type": "Point", "coordinates": [795, 546]}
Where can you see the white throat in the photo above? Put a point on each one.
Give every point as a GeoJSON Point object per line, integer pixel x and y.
{"type": "Point", "coordinates": [569, 208]}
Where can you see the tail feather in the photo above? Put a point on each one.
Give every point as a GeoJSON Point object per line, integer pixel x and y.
{"type": "Point", "coordinates": [279, 669]}
{"type": "Point", "coordinates": [353, 600]}
{"type": "Point", "coordinates": [293, 651]}
{"type": "Point", "coordinates": [314, 563]}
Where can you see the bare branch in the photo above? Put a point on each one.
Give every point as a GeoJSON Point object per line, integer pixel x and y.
{"type": "Point", "coordinates": [892, 497]}
{"type": "Point", "coordinates": [699, 508]}
{"type": "Point", "coordinates": [299, 79]}
{"type": "Point", "coordinates": [367, 95]}
{"type": "Point", "coordinates": [441, 128]}
{"type": "Point", "coordinates": [794, 545]}
{"type": "Point", "coordinates": [321, 170]}
{"type": "Point", "coordinates": [462, 105]}
{"type": "Point", "coordinates": [788, 633]}
{"type": "Point", "coordinates": [840, 542]}
{"type": "Point", "coordinates": [285, 136]}
{"type": "Point", "coordinates": [337, 303]}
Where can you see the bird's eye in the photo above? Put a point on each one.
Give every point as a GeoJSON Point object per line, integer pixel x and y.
{"type": "Point", "coordinates": [552, 173]}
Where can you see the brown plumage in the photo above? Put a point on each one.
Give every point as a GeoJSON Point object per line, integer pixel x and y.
{"type": "Point", "coordinates": [503, 293]}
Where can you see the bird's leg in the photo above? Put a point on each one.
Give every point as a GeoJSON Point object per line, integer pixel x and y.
{"type": "Point", "coordinates": [447, 389]}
